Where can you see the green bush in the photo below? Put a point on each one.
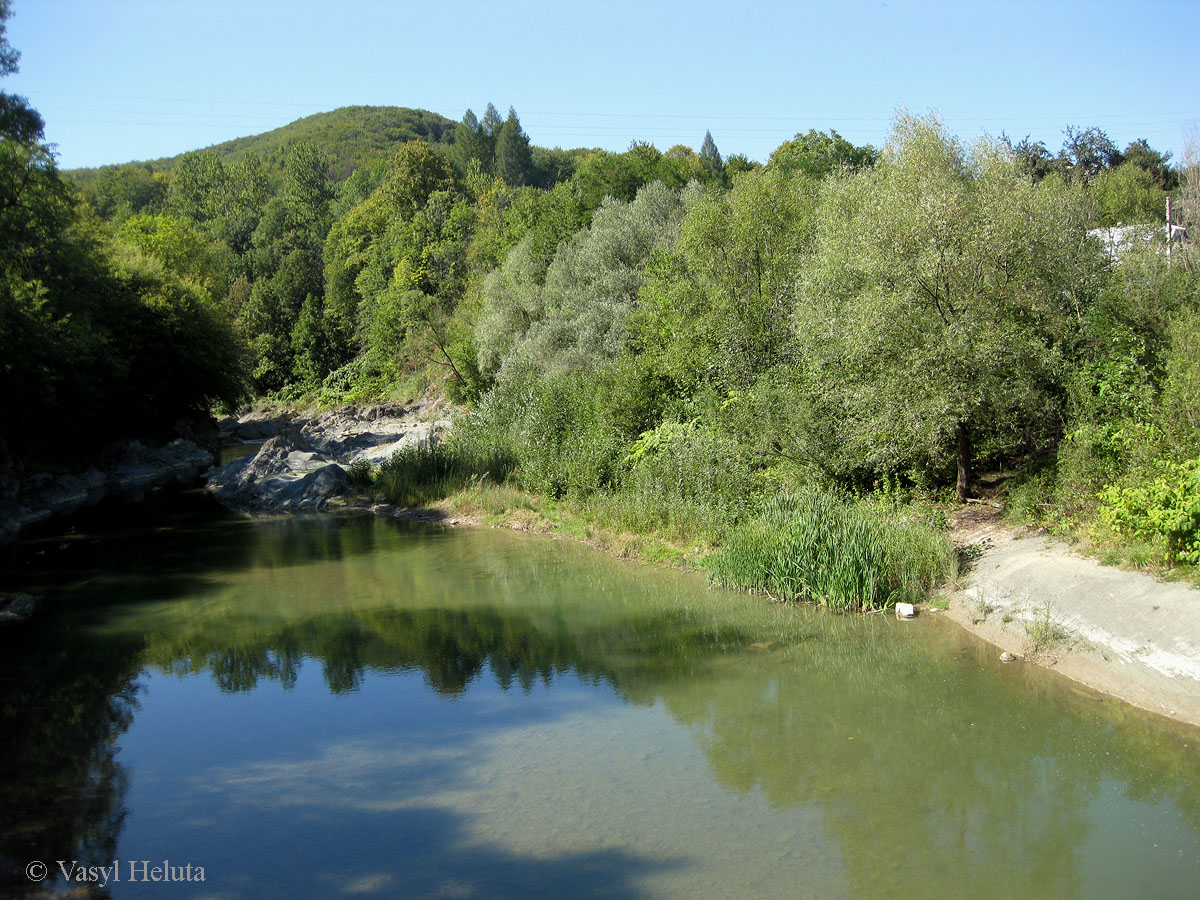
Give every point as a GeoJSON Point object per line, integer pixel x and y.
{"type": "Point", "coordinates": [686, 478]}
{"type": "Point", "coordinates": [1163, 508]}
{"type": "Point", "coordinates": [819, 546]}
{"type": "Point", "coordinates": [554, 430]}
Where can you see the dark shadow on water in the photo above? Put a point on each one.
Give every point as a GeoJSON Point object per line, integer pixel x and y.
{"type": "Point", "coordinates": [177, 542]}
{"type": "Point", "coordinates": [64, 703]}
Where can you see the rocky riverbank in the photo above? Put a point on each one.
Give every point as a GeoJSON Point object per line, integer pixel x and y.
{"type": "Point", "coordinates": [305, 460]}
{"type": "Point", "coordinates": [127, 470]}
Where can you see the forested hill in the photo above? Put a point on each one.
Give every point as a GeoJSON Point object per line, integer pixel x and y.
{"type": "Point", "coordinates": [352, 136]}
{"type": "Point", "coordinates": [682, 334]}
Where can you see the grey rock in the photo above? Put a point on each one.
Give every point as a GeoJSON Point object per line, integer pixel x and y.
{"type": "Point", "coordinates": [288, 472]}
{"type": "Point", "coordinates": [18, 608]}
{"type": "Point", "coordinates": [261, 425]}
{"type": "Point", "coordinates": [303, 466]}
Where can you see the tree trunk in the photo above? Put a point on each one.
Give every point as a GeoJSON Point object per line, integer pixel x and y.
{"type": "Point", "coordinates": [964, 462]}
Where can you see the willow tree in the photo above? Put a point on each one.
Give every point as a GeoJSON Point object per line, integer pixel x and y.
{"type": "Point", "coordinates": [935, 314]}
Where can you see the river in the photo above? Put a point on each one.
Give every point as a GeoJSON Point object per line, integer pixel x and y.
{"type": "Point", "coordinates": [349, 706]}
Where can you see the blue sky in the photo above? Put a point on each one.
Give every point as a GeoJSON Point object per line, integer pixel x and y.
{"type": "Point", "coordinates": [136, 79]}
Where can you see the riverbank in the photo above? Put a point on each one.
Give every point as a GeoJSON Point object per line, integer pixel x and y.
{"type": "Point", "coordinates": [488, 505]}
{"type": "Point", "coordinates": [126, 470]}
{"type": "Point", "coordinates": [1123, 633]}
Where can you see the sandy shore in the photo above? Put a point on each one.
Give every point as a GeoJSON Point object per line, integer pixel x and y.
{"type": "Point", "coordinates": [1123, 633]}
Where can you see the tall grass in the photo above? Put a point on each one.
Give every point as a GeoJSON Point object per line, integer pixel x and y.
{"type": "Point", "coordinates": [420, 473]}
{"type": "Point", "coordinates": [818, 546]}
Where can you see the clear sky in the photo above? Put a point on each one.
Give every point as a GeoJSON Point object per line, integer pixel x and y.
{"type": "Point", "coordinates": [136, 79]}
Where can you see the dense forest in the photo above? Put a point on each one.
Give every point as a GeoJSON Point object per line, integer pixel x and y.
{"type": "Point", "coordinates": [699, 346]}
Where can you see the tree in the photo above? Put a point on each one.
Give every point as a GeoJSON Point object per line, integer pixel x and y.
{"type": "Point", "coordinates": [197, 189]}
{"type": "Point", "coordinates": [89, 325]}
{"type": "Point", "coordinates": [577, 319]}
{"type": "Point", "coordinates": [491, 123]}
{"type": "Point", "coordinates": [247, 192]}
{"type": "Point", "coordinates": [618, 175]}
{"type": "Point", "coordinates": [18, 120]}
{"type": "Point", "coordinates": [1032, 156]}
{"type": "Point", "coordinates": [738, 163]}
{"type": "Point", "coordinates": [513, 157]}
{"type": "Point", "coordinates": [414, 172]}
{"type": "Point", "coordinates": [1086, 151]}
{"type": "Point", "coordinates": [307, 192]}
{"type": "Point", "coordinates": [123, 191]}
{"type": "Point", "coordinates": [679, 165]}
{"type": "Point", "coordinates": [1142, 155]}
{"type": "Point", "coordinates": [934, 319]}
{"type": "Point", "coordinates": [1127, 194]}
{"type": "Point", "coordinates": [716, 308]}
{"type": "Point", "coordinates": [817, 154]}
{"type": "Point", "coordinates": [710, 159]}
{"type": "Point", "coordinates": [177, 245]}
{"type": "Point", "coordinates": [472, 142]}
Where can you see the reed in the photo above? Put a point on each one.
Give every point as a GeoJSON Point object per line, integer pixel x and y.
{"type": "Point", "coordinates": [421, 473]}
{"type": "Point", "coordinates": [841, 553]}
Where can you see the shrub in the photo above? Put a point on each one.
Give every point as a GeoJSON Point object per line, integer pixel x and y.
{"type": "Point", "coordinates": [687, 477]}
{"type": "Point", "coordinates": [1164, 509]}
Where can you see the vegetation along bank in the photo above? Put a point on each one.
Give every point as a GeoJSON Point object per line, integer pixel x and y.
{"type": "Point", "coordinates": [792, 370]}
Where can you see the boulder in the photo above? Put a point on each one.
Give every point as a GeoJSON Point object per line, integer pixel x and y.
{"type": "Point", "coordinates": [17, 608]}
{"type": "Point", "coordinates": [287, 473]}
{"type": "Point", "coordinates": [259, 425]}
{"type": "Point", "coordinates": [129, 469]}
{"type": "Point", "coordinates": [139, 468]}
{"type": "Point", "coordinates": [373, 433]}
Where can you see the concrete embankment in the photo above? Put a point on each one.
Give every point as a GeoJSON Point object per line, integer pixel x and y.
{"type": "Point", "coordinates": [1123, 633]}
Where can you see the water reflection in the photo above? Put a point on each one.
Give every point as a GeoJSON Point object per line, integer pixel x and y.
{"type": "Point", "coordinates": [871, 758]}
{"type": "Point", "coordinates": [65, 702]}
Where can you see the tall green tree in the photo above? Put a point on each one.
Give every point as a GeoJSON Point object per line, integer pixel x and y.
{"type": "Point", "coordinates": [817, 154]}
{"type": "Point", "coordinates": [1087, 151]}
{"type": "Point", "coordinates": [308, 190]}
{"type": "Point", "coordinates": [470, 142]}
{"type": "Point", "coordinates": [123, 191]}
{"type": "Point", "coordinates": [1142, 155]}
{"type": "Point", "coordinates": [941, 302]}
{"type": "Point", "coordinates": [716, 309]}
{"type": "Point", "coordinates": [710, 158]}
{"type": "Point", "coordinates": [514, 161]}
{"type": "Point", "coordinates": [415, 171]}
{"type": "Point", "coordinates": [198, 187]}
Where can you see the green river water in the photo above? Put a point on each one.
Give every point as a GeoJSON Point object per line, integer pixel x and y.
{"type": "Point", "coordinates": [332, 707]}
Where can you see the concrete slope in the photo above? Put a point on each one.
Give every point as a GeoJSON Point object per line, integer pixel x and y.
{"type": "Point", "coordinates": [1124, 633]}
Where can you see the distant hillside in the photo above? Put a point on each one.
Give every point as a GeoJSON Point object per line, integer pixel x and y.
{"type": "Point", "coordinates": [352, 136]}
